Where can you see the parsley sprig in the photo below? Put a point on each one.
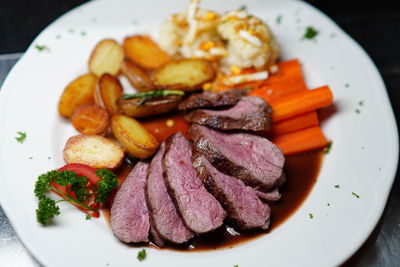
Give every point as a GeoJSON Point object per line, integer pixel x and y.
{"type": "Point", "coordinates": [80, 191]}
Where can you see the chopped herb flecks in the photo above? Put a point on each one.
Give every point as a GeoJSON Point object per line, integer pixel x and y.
{"type": "Point", "coordinates": [333, 35]}
{"type": "Point", "coordinates": [141, 255]}
{"type": "Point", "coordinates": [337, 186]}
{"type": "Point", "coordinates": [356, 195]}
{"type": "Point", "coordinates": [83, 33]}
{"type": "Point", "coordinates": [236, 265]}
{"type": "Point", "coordinates": [30, 158]}
{"type": "Point", "coordinates": [41, 48]}
{"type": "Point", "coordinates": [361, 103]}
{"type": "Point", "coordinates": [328, 204]}
{"type": "Point", "coordinates": [357, 110]}
{"type": "Point", "coordinates": [71, 30]}
{"type": "Point", "coordinates": [243, 7]}
{"type": "Point", "coordinates": [21, 138]}
{"type": "Point", "coordinates": [88, 217]}
{"type": "Point", "coordinates": [311, 215]}
{"type": "Point", "coordinates": [310, 33]}
{"type": "Point", "coordinates": [279, 19]}
{"type": "Point", "coordinates": [328, 147]}
{"type": "Point", "coordinates": [347, 85]}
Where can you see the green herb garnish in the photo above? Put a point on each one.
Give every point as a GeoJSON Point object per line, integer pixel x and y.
{"type": "Point", "coordinates": [328, 147]}
{"type": "Point", "coordinates": [80, 191]}
{"type": "Point", "coordinates": [141, 255]}
{"type": "Point", "coordinates": [236, 265]}
{"type": "Point", "coordinates": [279, 19]}
{"type": "Point", "coordinates": [358, 111]}
{"type": "Point", "coordinates": [337, 186]}
{"type": "Point", "coordinates": [356, 195]}
{"type": "Point", "coordinates": [310, 33]}
{"type": "Point", "coordinates": [361, 103]}
{"type": "Point", "coordinates": [21, 138]}
{"type": "Point", "coordinates": [243, 7]}
{"type": "Point", "coordinates": [151, 94]}
{"type": "Point", "coordinates": [41, 48]}
{"type": "Point", "coordinates": [311, 215]}
{"type": "Point", "coordinates": [88, 217]}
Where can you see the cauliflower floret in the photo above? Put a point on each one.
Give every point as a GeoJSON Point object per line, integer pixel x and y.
{"type": "Point", "coordinates": [250, 43]}
{"type": "Point", "coordinates": [192, 37]}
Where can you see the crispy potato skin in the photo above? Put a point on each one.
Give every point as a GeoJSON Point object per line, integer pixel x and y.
{"type": "Point", "coordinates": [106, 57]}
{"type": "Point", "coordinates": [108, 90]}
{"type": "Point", "coordinates": [136, 139]}
{"type": "Point", "coordinates": [78, 93]}
{"type": "Point", "coordinates": [143, 51]}
{"type": "Point", "coordinates": [184, 74]}
{"type": "Point", "coordinates": [136, 76]}
{"type": "Point", "coordinates": [90, 120]}
{"type": "Point", "coordinates": [133, 108]}
{"type": "Point", "coordinates": [93, 150]}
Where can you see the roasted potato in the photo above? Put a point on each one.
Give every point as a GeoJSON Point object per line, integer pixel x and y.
{"type": "Point", "coordinates": [136, 139]}
{"type": "Point", "coordinates": [106, 58]}
{"type": "Point", "coordinates": [184, 74]}
{"type": "Point", "coordinates": [108, 90]}
{"type": "Point", "coordinates": [137, 107]}
{"type": "Point", "coordinates": [78, 93]}
{"type": "Point", "coordinates": [136, 76]}
{"type": "Point", "coordinates": [143, 51]}
{"type": "Point", "coordinates": [90, 120]}
{"type": "Point", "coordinates": [93, 150]}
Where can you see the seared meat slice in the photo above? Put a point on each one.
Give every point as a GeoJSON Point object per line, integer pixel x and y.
{"type": "Point", "coordinates": [199, 209]}
{"type": "Point", "coordinates": [129, 214]}
{"type": "Point", "coordinates": [163, 215]}
{"type": "Point", "coordinates": [270, 196]}
{"type": "Point", "coordinates": [250, 113]}
{"type": "Point", "coordinates": [251, 158]}
{"type": "Point", "coordinates": [244, 208]}
{"type": "Point", "coordinates": [210, 100]}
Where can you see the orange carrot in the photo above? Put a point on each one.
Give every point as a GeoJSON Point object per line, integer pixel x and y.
{"type": "Point", "coordinates": [304, 140]}
{"type": "Point", "coordinates": [296, 123]}
{"type": "Point", "coordinates": [301, 102]}
{"type": "Point", "coordinates": [274, 91]}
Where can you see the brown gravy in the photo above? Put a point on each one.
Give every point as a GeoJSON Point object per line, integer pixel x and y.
{"type": "Point", "coordinates": [302, 172]}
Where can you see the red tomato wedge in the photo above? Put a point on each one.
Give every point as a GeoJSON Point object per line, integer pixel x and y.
{"type": "Point", "coordinates": [88, 172]}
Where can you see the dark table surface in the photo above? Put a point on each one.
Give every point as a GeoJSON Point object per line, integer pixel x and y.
{"type": "Point", "coordinates": [373, 24]}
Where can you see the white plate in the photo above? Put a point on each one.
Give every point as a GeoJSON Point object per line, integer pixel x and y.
{"type": "Point", "coordinates": [363, 158]}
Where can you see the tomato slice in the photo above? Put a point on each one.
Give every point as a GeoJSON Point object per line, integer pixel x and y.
{"type": "Point", "coordinates": [81, 170]}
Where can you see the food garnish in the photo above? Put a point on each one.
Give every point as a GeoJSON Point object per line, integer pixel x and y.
{"type": "Point", "coordinates": [41, 48]}
{"type": "Point", "coordinates": [356, 195]}
{"type": "Point", "coordinates": [141, 255]}
{"type": "Point", "coordinates": [75, 188]}
{"type": "Point", "coordinates": [311, 215]}
{"type": "Point", "coordinates": [328, 147]}
{"type": "Point", "coordinates": [337, 186]}
{"type": "Point", "coordinates": [310, 33]}
{"type": "Point", "coordinates": [21, 138]}
{"type": "Point", "coordinates": [152, 94]}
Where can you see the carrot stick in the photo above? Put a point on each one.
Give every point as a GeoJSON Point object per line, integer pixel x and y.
{"type": "Point", "coordinates": [274, 91]}
{"type": "Point", "coordinates": [295, 123]}
{"type": "Point", "coordinates": [288, 70]}
{"type": "Point", "coordinates": [304, 140]}
{"type": "Point", "coordinates": [301, 102]}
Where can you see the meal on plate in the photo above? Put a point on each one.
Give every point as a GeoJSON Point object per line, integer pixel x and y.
{"type": "Point", "coordinates": [214, 141]}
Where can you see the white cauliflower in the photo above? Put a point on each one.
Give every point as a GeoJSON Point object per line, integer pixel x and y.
{"type": "Point", "coordinates": [192, 33]}
{"type": "Point", "coordinates": [250, 43]}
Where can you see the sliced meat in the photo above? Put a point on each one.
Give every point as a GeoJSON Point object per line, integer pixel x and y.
{"type": "Point", "coordinates": [156, 238]}
{"type": "Point", "coordinates": [129, 214]}
{"type": "Point", "coordinates": [163, 214]}
{"type": "Point", "coordinates": [210, 100]}
{"type": "Point", "coordinates": [270, 196]}
{"type": "Point", "coordinates": [251, 158]}
{"type": "Point", "coordinates": [244, 208]}
{"type": "Point", "coordinates": [250, 113]}
{"type": "Point", "coordinates": [199, 209]}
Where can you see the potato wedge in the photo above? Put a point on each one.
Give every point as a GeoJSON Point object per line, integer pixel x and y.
{"type": "Point", "coordinates": [184, 74]}
{"type": "Point", "coordinates": [90, 120]}
{"type": "Point", "coordinates": [108, 90]}
{"type": "Point", "coordinates": [106, 58]}
{"type": "Point", "coordinates": [143, 51]}
{"type": "Point", "coordinates": [93, 150]}
{"type": "Point", "coordinates": [153, 106]}
{"type": "Point", "coordinates": [136, 76]}
{"type": "Point", "coordinates": [78, 93]}
{"type": "Point", "coordinates": [136, 139]}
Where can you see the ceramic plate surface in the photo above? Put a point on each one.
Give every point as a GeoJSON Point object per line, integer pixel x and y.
{"type": "Point", "coordinates": [363, 159]}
